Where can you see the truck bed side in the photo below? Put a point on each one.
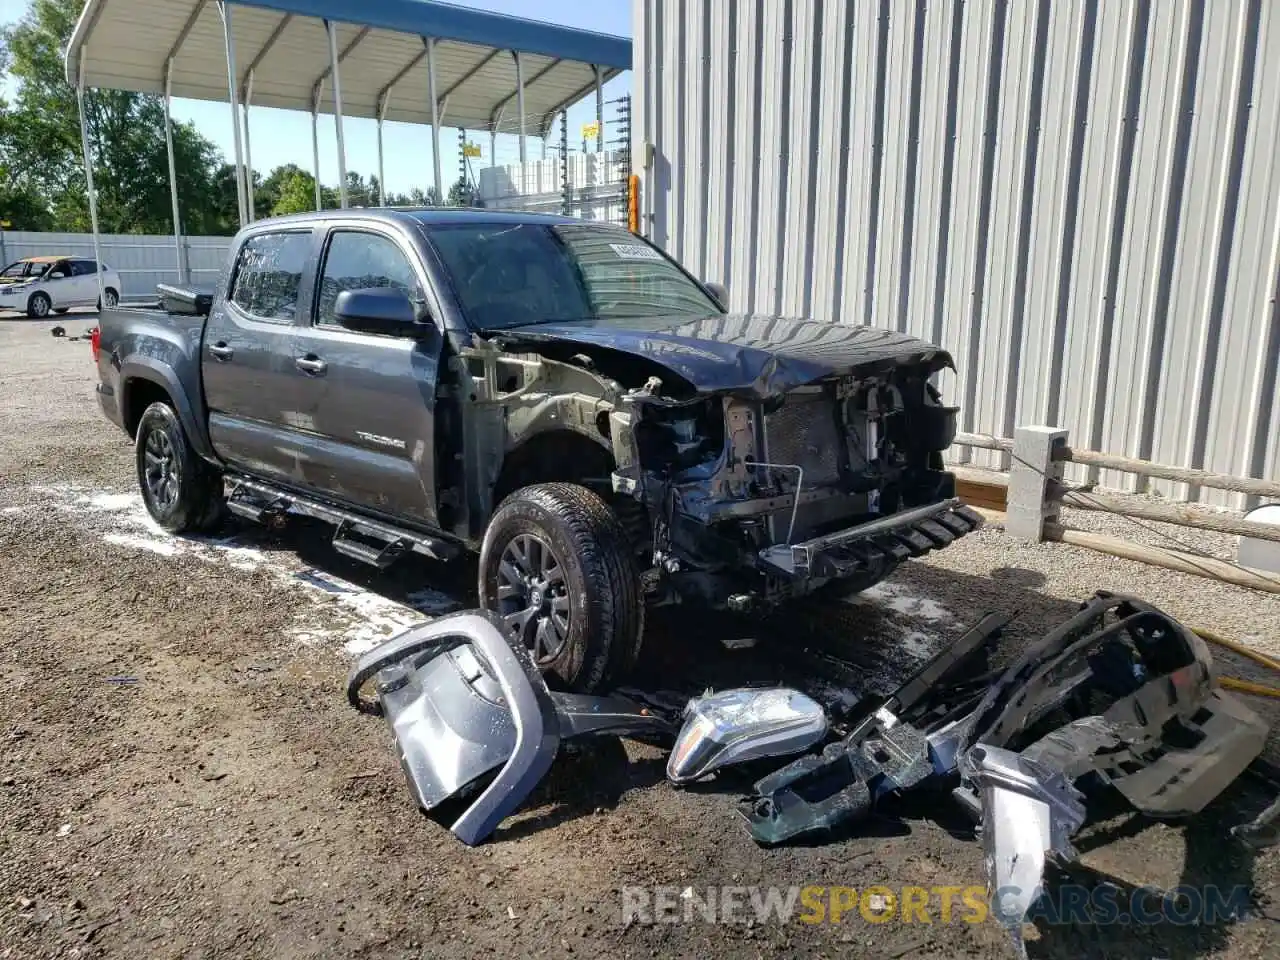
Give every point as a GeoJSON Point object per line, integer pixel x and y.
{"type": "Point", "coordinates": [147, 354]}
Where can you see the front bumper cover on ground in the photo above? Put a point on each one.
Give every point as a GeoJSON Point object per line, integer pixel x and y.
{"type": "Point", "coordinates": [472, 717]}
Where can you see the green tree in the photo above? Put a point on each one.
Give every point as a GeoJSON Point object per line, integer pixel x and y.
{"type": "Point", "coordinates": [40, 147]}
{"type": "Point", "coordinates": [462, 194]}
{"type": "Point", "coordinates": [418, 197]}
{"type": "Point", "coordinates": [297, 193]}
{"type": "Point", "coordinates": [22, 208]}
{"type": "Point", "coordinates": [359, 193]}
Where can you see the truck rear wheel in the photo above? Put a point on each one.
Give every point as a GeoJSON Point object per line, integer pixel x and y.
{"type": "Point", "coordinates": [557, 567]}
{"type": "Point", "coordinates": [182, 493]}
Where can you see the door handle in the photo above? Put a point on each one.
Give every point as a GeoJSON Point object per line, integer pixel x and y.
{"type": "Point", "coordinates": [311, 364]}
{"type": "Point", "coordinates": [220, 351]}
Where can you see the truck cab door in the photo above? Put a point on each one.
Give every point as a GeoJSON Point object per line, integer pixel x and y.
{"type": "Point", "coordinates": [369, 399]}
{"type": "Point", "coordinates": [246, 360]}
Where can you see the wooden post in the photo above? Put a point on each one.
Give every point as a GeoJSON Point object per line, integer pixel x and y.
{"type": "Point", "coordinates": [1169, 559]}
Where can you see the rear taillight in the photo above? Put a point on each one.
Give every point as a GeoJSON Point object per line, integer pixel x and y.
{"type": "Point", "coordinates": [95, 342]}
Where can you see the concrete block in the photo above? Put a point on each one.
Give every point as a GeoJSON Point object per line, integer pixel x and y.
{"type": "Point", "coordinates": [1031, 470]}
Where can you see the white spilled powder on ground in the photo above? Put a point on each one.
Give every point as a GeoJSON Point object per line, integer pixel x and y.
{"type": "Point", "coordinates": [900, 600]}
{"type": "Point", "coordinates": [337, 612]}
{"type": "Point", "coordinates": [920, 645]}
{"type": "Point", "coordinates": [142, 543]}
{"type": "Point", "coordinates": [360, 619]}
{"type": "Point", "coordinates": [917, 638]}
{"type": "Point", "coordinates": [114, 501]}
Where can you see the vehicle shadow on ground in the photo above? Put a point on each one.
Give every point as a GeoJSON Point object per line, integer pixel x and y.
{"type": "Point", "coordinates": [588, 777]}
{"type": "Point", "coordinates": [310, 541]}
{"type": "Point", "coordinates": [838, 650]}
{"type": "Point", "coordinates": [75, 313]}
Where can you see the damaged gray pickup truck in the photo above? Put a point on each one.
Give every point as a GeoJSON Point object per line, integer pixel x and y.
{"type": "Point", "coordinates": [559, 396]}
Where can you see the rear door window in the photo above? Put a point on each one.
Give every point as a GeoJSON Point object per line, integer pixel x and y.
{"type": "Point", "coordinates": [357, 260]}
{"type": "Point", "coordinates": [83, 268]}
{"type": "Point", "coordinates": [268, 275]}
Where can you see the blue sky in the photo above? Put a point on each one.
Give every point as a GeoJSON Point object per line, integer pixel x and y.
{"type": "Point", "coordinates": [283, 136]}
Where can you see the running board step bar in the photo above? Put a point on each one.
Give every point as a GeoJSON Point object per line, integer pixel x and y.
{"type": "Point", "coordinates": [376, 556]}
{"type": "Point", "coordinates": [911, 533]}
{"type": "Point", "coordinates": [259, 502]}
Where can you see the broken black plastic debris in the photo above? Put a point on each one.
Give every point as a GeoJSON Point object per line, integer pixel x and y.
{"type": "Point", "coordinates": [1121, 692]}
{"type": "Point", "coordinates": [882, 754]}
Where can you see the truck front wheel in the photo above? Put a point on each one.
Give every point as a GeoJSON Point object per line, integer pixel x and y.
{"type": "Point", "coordinates": [182, 493]}
{"type": "Point", "coordinates": [557, 567]}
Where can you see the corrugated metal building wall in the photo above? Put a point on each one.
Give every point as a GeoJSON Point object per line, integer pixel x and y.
{"type": "Point", "coordinates": [1080, 199]}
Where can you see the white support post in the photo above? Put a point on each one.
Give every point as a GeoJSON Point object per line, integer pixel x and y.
{"type": "Point", "coordinates": [435, 116]}
{"type": "Point", "coordinates": [88, 177]}
{"type": "Point", "coordinates": [520, 101]}
{"type": "Point", "coordinates": [183, 273]}
{"type": "Point", "coordinates": [493, 147]}
{"type": "Point", "coordinates": [315, 144]}
{"type": "Point", "coordinates": [229, 42]}
{"type": "Point", "coordinates": [1032, 473]}
{"type": "Point", "coordinates": [248, 155]}
{"type": "Point", "coordinates": [382, 173]}
{"type": "Point", "coordinates": [332, 30]}
{"type": "Point", "coordinates": [599, 108]}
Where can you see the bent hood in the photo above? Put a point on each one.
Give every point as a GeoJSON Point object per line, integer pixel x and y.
{"type": "Point", "coordinates": [757, 355]}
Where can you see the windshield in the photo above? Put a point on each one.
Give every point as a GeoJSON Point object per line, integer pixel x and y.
{"type": "Point", "coordinates": [21, 269]}
{"type": "Point", "coordinates": [514, 274]}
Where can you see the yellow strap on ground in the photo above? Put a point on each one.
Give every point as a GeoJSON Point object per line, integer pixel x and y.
{"type": "Point", "coordinates": [1248, 686]}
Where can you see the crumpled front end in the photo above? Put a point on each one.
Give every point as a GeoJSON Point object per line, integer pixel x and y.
{"type": "Point", "coordinates": [758, 499]}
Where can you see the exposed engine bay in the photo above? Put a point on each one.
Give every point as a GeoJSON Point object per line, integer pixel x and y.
{"type": "Point", "coordinates": [750, 474]}
{"type": "Point", "coordinates": [761, 499]}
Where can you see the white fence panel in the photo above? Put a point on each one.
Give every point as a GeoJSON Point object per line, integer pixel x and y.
{"type": "Point", "coordinates": [141, 260]}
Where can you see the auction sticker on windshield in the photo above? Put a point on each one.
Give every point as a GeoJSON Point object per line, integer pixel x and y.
{"type": "Point", "coordinates": [635, 251]}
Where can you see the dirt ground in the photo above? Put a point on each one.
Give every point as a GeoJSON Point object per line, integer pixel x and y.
{"type": "Point", "coordinates": [180, 775]}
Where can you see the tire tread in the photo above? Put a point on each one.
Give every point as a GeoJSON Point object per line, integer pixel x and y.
{"type": "Point", "coordinates": [202, 511]}
{"type": "Point", "coordinates": [602, 549]}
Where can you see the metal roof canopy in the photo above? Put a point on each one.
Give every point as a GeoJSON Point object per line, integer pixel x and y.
{"type": "Point", "coordinates": [418, 61]}
{"type": "Point", "coordinates": [283, 46]}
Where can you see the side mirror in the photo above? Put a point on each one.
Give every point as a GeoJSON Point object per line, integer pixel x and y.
{"type": "Point", "coordinates": [719, 291]}
{"type": "Point", "coordinates": [56, 275]}
{"type": "Point", "coordinates": [385, 310]}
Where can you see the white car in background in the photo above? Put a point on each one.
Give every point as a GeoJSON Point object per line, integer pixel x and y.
{"type": "Point", "coordinates": [39, 286]}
